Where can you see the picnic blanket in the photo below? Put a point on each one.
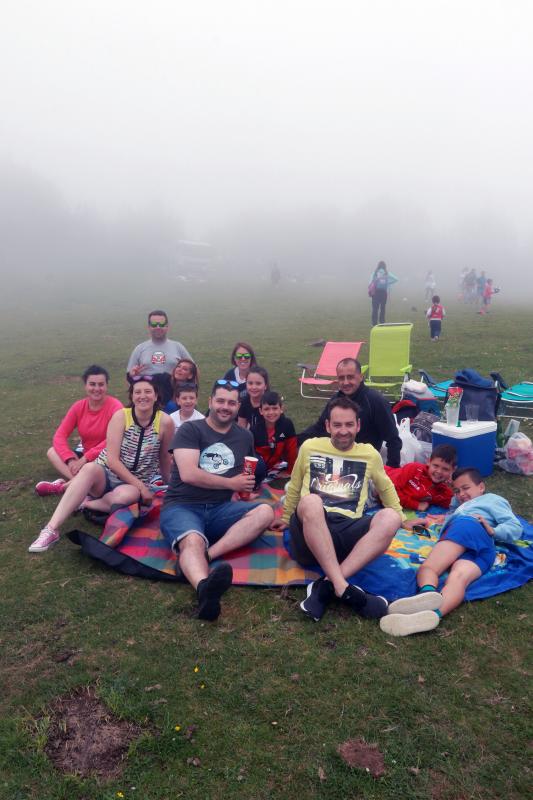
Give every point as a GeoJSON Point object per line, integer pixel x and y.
{"type": "Point", "coordinates": [133, 544]}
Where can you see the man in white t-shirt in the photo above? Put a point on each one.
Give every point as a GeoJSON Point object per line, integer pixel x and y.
{"type": "Point", "coordinates": [158, 355]}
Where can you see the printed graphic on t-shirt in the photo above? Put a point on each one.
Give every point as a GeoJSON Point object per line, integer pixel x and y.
{"type": "Point", "coordinates": [158, 357]}
{"type": "Point", "coordinates": [217, 458]}
{"type": "Point", "coordinates": [337, 480]}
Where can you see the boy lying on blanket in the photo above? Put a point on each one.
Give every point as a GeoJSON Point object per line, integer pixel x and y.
{"type": "Point", "coordinates": [420, 486]}
{"type": "Point", "coordinates": [465, 548]}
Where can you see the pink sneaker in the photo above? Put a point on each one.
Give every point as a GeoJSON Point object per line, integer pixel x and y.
{"type": "Point", "coordinates": [47, 537]}
{"type": "Point", "coordinates": [45, 488]}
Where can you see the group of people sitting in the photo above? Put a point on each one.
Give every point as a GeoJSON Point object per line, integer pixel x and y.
{"type": "Point", "coordinates": [127, 453]}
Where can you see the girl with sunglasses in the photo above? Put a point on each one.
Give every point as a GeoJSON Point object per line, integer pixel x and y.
{"type": "Point", "coordinates": [243, 359]}
{"type": "Point", "coordinates": [138, 442]}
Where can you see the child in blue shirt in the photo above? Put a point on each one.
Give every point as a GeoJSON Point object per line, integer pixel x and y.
{"type": "Point", "coordinates": [465, 548]}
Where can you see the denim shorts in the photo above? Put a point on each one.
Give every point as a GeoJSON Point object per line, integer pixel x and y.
{"type": "Point", "coordinates": [111, 480]}
{"type": "Point", "coordinates": [210, 520]}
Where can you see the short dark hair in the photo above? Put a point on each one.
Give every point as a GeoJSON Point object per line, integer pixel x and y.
{"type": "Point", "coordinates": [186, 387]}
{"type": "Point", "coordinates": [435, 299]}
{"type": "Point", "coordinates": [226, 384]}
{"type": "Point", "coordinates": [95, 369]}
{"type": "Point", "coordinates": [471, 472]}
{"type": "Point", "coordinates": [271, 399]}
{"type": "Point", "coordinates": [341, 402]}
{"type": "Point", "coordinates": [145, 379]}
{"type": "Point", "coordinates": [447, 452]}
{"type": "Point", "coordinates": [257, 370]}
{"type": "Point", "coordinates": [247, 347]}
{"type": "Point", "coordinates": [349, 360]}
{"type": "Point", "coordinates": [158, 313]}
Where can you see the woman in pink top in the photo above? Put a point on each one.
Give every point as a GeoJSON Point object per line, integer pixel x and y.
{"type": "Point", "coordinates": [90, 416]}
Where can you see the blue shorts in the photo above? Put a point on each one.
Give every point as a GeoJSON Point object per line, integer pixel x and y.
{"type": "Point", "coordinates": [210, 520]}
{"type": "Point", "coordinates": [111, 480]}
{"type": "Point", "coordinates": [470, 534]}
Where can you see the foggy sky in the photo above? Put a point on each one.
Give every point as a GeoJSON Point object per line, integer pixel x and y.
{"type": "Point", "coordinates": [402, 127]}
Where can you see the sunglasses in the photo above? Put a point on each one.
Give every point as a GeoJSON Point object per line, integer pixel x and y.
{"type": "Point", "coordinates": [158, 324]}
{"type": "Point", "coordinates": [137, 378]}
{"type": "Point", "coordinates": [224, 382]}
{"type": "Point", "coordinates": [242, 356]}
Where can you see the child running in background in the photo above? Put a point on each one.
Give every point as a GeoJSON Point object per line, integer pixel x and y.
{"type": "Point", "coordinates": [274, 435]}
{"type": "Point", "coordinates": [435, 314]}
{"type": "Point", "coordinates": [256, 385]}
{"type": "Point", "coordinates": [420, 486]}
{"type": "Point", "coordinates": [465, 548]}
{"type": "Point", "coordinates": [187, 398]}
{"type": "Point", "coordinates": [488, 291]}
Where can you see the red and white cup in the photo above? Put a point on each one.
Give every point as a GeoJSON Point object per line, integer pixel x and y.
{"type": "Point", "coordinates": [250, 465]}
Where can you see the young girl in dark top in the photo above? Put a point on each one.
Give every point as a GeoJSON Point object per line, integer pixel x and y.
{"type": "Point", "coordinates": [256, 385]}
{"type": "Point", "coordinates": [243, 359]}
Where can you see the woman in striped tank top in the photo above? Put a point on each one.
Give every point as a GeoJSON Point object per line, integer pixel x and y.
{"type": "Point", "coordinates": [138, 442]}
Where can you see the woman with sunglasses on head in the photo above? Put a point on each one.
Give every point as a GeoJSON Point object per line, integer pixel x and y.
{"type": "Point", "coordinates": [242, 358]}
{"type": "Point", "coordinates": [185, 372]}
{"type": "Point", "coordinates": [90, 416]}
{"type": "Point", "coordinates": [138, 441]}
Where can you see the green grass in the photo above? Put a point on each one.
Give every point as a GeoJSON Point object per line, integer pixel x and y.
{"type": "Point", "coordinates": [449, 711]}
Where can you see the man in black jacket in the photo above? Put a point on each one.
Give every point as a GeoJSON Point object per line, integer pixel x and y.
{"type": "Point", "coordinates": [377, 420]}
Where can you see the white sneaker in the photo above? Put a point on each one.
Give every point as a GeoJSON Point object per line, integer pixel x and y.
{"type": "Point", "coordinates": [406, 624]}
{"type": "Point", "coordinates": [423, 601]}
{"type": "Point", "coordinates": [47, 537]}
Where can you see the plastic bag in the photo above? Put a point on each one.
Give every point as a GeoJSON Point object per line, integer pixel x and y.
{"type": "Point", "coordinates": [410, 444]}
{"type": "Point", "coordinates": [519, 455]}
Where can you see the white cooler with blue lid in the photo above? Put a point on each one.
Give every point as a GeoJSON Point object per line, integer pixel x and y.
{"type": "Point", "coordinates": [475, 443]}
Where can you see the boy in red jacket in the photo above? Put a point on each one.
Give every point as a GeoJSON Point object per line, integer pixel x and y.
{"type": "Point", "coordinates": [421, 485]}
{"type": "Point", "coordinates": [274, 434]}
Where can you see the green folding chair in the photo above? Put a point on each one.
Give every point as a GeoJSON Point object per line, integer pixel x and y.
{"type": "Point", "coordinates": [389, 365]}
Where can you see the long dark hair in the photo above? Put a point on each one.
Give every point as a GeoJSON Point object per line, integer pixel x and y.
{"type": "Point", "coordinates": [381, 265]}
{"type": "Point", "coordinates": [246, 346]}
{"type": "Point", "coordinates": [195, 378]}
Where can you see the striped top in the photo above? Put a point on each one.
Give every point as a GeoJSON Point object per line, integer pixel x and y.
{"type": "Point", "coordinates": [139, 449]}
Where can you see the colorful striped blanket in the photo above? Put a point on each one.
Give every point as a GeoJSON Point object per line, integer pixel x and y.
{"type": "Point", "coordinates": [134, 545]}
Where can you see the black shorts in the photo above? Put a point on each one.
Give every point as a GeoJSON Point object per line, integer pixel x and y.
{"type": "Point", "coordinates": [345, 533]}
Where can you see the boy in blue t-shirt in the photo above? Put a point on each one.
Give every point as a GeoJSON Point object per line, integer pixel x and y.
{"type": "Point", "coordinates": [465, 548]}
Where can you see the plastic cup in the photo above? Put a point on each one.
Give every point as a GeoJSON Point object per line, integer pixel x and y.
{"type": "Point", "coordinates": [250, 464]}
{"type": "Point", "coordinates": [472, 412]}
{"type": "Point", "coordinates": [452, 415]}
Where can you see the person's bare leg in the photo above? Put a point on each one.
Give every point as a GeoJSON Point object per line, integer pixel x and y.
{"type": "Point", "coordinates": [374, 543]}
{"type": "Point", "coordinates": [58, 464]}
{"type": "Point", "coordinates": [193, 558]}
{"type": "Point", "coordinates": [310, 511]}
{"type": "Point", "coordinates": [243, 532]}
{"type": "Point", "coordinates": [443, 555]}
{"type": "Point", "coordinates": [462, 574]}
{"type": "Point", "coordinates": [89, 480]}
{"type": "Point", "coordinates": [123, 495]}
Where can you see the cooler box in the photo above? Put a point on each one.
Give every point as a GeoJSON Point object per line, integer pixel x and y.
{"type": "Point", "coordinates": [475, 443]}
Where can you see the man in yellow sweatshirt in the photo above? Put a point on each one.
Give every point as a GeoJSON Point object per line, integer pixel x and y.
{"type": "Point", "coordinates": [324, 507]}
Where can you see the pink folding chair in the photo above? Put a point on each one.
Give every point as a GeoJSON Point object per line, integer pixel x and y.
{"type": "Point", "coordinates": [324, 374]}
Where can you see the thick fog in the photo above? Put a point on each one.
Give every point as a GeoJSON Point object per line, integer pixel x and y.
{"type": "Point", "coordinates": [317, 136]}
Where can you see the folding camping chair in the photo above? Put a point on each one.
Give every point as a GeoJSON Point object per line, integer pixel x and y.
{"type": "Point", "coordinates": [515, 401]}
{"type": "Point", "coordinates": [388, 365]}
{"type": "Point", "coordinates": [324, 376]}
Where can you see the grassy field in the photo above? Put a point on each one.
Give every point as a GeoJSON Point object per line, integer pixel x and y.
{"type": "Point", "coordinates": [255, 705]}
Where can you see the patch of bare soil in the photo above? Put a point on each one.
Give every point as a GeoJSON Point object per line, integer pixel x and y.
{"type": "Point", "coordinates": [19, 483]}
{"type": "Point", "coordinates": [85, 738]}
{"type": "Point", "coordinates": [357, 753]}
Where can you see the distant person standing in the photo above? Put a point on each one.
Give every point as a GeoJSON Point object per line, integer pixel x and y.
{"type": "Point", "coordinates": [430, 284]}
{"type": "Point", "coordinates": [378, 291]}
{"type": "Point", "coordinates": [157, 356]}
{"type": "Point", "coordinates": [435, 314]}
{"type": "Point", "coordinates": [481, 281]}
